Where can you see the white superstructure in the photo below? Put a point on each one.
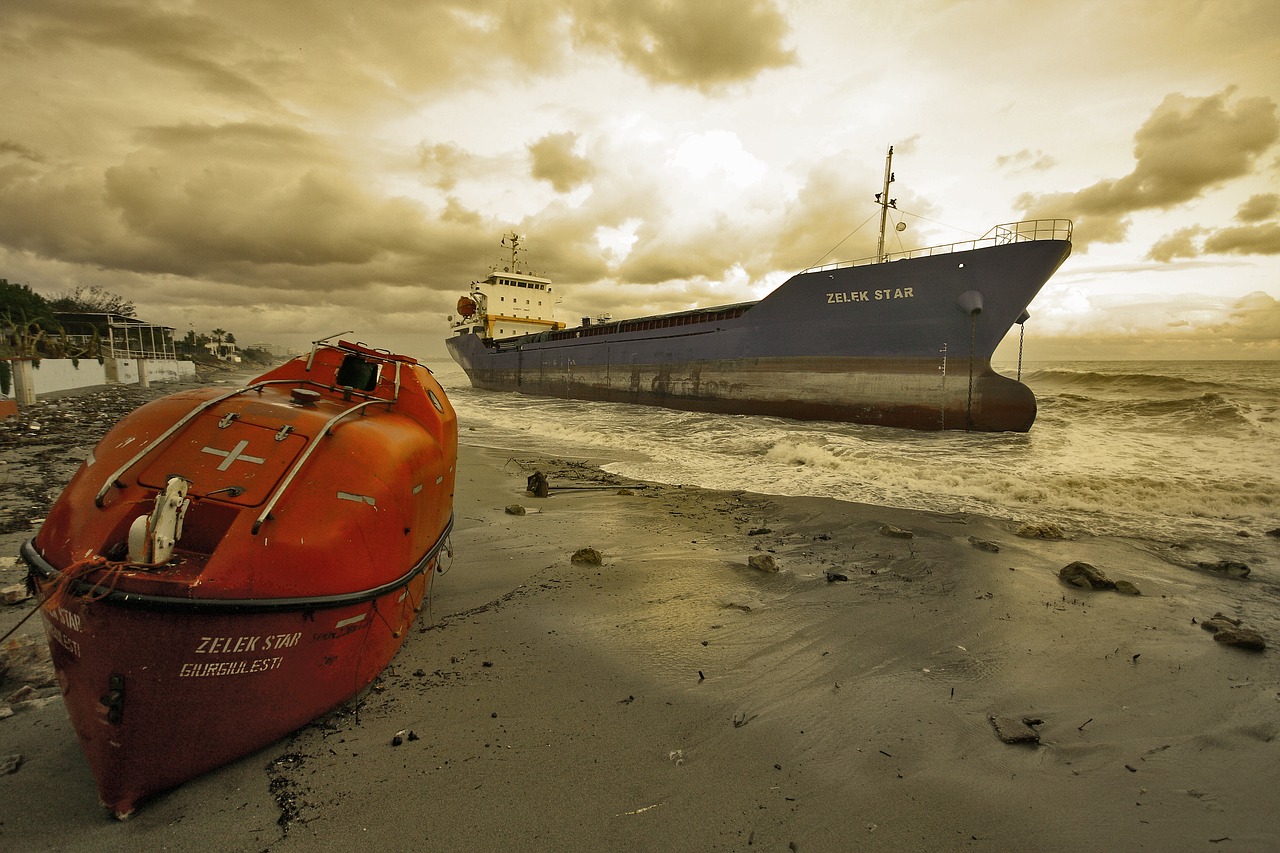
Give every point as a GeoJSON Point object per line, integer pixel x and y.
{"type": "Point", "coordinates": [507, 302]}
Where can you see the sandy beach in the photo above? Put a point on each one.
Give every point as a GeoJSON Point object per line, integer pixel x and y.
{"type": "Point", "coordinates": [674, 698]}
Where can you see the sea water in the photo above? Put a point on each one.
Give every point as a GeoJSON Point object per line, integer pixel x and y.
{"type": "Point", "coordinates": [1185, 453]}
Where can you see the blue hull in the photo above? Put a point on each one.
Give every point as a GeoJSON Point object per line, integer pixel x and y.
{"type": "Point", "coordinates": [904, 343]}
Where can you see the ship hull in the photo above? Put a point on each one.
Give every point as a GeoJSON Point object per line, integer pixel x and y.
{"type": "Point", "coordinates": [901, 344]}
{"type": "Point", "coordinates": [893, 392]}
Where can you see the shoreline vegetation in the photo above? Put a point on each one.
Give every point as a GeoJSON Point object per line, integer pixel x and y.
{"type": "Point", "coordinates": [901, 680]}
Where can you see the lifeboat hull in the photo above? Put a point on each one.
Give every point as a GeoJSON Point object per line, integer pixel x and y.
{"type": "Point", "coordinates": [159, 696]}
{"type": "Point", "coordinates": [226, 567]}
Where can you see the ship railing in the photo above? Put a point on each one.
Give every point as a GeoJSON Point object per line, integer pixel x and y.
{"type": "Point", "coordinates": [697, 316]}
{"type": "Point", "coordinates": [1000, 235]}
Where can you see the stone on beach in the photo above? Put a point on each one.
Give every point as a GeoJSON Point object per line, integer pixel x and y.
{"type": "Point", "coordinates": [26, 660]}
{"type": "Point", "coordinates": [22, 694]}
{"type": "Point", "coordinates": [15, 593]}
{"type": "Point", "coordinates": [1230, 632]}
{"type": "Point", "coordinates": [1245, 638]}
{"type": "Point", "coordinates": [1085, 576]}
{"type": "Point", "coordinates": [896, 532]}
{"type": "Point", "coordinates": [984, 545]}
{"type": "Point", "coordinates": [589, 556]}
{"type": "Point", "coordinates": [515, 509]}
{"type": "Point", "coordinates": [763, 562]}
{"type": "Point", "coordinates": [1226, 568]}
{"type": "Point", "coordinates": [1016, 729]}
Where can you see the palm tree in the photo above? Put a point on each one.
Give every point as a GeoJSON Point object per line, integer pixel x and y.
{"type": "Point", "coordinates": [219, 335]}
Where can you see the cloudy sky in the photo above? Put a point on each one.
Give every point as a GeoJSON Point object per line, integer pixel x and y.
{"type": "Point", "coordinates": [287, 170]}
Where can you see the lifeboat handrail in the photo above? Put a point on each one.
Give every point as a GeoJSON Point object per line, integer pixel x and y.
{"type": "Point", "coordinates": [98, 591]}
{"type": "Point", "coordinates": [257, 386]}
{"type": "Point", "coordinates": [306, 454]}
{"type": "Point", "coordinates": [999, 235]}
{"type": "Point", "coordinates": [177, 425]}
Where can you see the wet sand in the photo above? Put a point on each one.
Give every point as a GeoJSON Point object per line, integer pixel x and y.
{"type": "Point", "coordinates": [673, 698]}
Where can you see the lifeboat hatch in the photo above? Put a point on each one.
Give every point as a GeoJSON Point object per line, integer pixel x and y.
{"type": "Point", "coordinates": [240, 463]}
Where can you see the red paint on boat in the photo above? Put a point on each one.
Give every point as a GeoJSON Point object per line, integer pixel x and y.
{"type": "Point", "coordinates": [317, 501]}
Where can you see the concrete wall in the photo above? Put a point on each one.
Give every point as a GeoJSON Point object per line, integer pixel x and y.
{"type": "Point", "coordinates": [64, 374]}
{"type": "Point", "coordinates": [170, 371]}
{"type": "Point", "coordinates": [128, 371]}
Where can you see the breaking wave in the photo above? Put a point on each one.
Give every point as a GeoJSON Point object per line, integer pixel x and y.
{"type": "Point", "coordinates": [1170, 450]}
{"type": "Point", "coordinates": [1093, 383]}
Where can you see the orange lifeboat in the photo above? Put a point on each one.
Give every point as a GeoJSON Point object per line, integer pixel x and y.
{"type": "Point", "coordinates": [229, 566]}
{"type": "Point", "coordinates": [466, 306]}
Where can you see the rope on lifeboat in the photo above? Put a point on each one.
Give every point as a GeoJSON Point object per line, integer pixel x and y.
{"type": "Point", "coordinates": [408, 608]}
{"type": "Point", "coordinates": [32, 612]}
{"type": "Point", "coordinates": [430, 590]}
{"type": "Point", "coordinates": [77, 573]}
{"type": "Point", "coordinates": [230, 605]}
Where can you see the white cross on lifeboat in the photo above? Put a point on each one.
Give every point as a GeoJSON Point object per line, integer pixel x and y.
{"type": "Point", "coordinates": [234, 454]}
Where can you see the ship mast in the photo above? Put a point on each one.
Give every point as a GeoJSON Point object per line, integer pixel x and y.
{"type": "Point", "coordinates": [882, 199]}
{"type": "Point", "coordinates": [513, 240]}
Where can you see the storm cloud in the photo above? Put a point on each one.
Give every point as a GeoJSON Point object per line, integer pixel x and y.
{"type": "Point", "coordinates": [555, 161]}
{"type": "Point", "coordinates": [1186, 147]}
{"type": "Point", "coordinates": [1254, 236]}
{"type": "Point", "coordinates": [289, 174]}
{"type": "Point", "coordinates": [706, 45]}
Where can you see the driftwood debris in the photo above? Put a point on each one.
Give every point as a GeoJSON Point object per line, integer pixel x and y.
{"type": "Point", "coordinates": [540, 487]}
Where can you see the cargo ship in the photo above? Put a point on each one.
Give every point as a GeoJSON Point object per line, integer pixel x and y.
{"type": "Point", "coordinates": [899, 340]}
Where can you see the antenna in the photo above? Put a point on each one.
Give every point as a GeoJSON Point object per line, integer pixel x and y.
{"type": "Point", "coordinates": [512, 241]}
{"type": "Point", "coordinates": [882, 199]}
